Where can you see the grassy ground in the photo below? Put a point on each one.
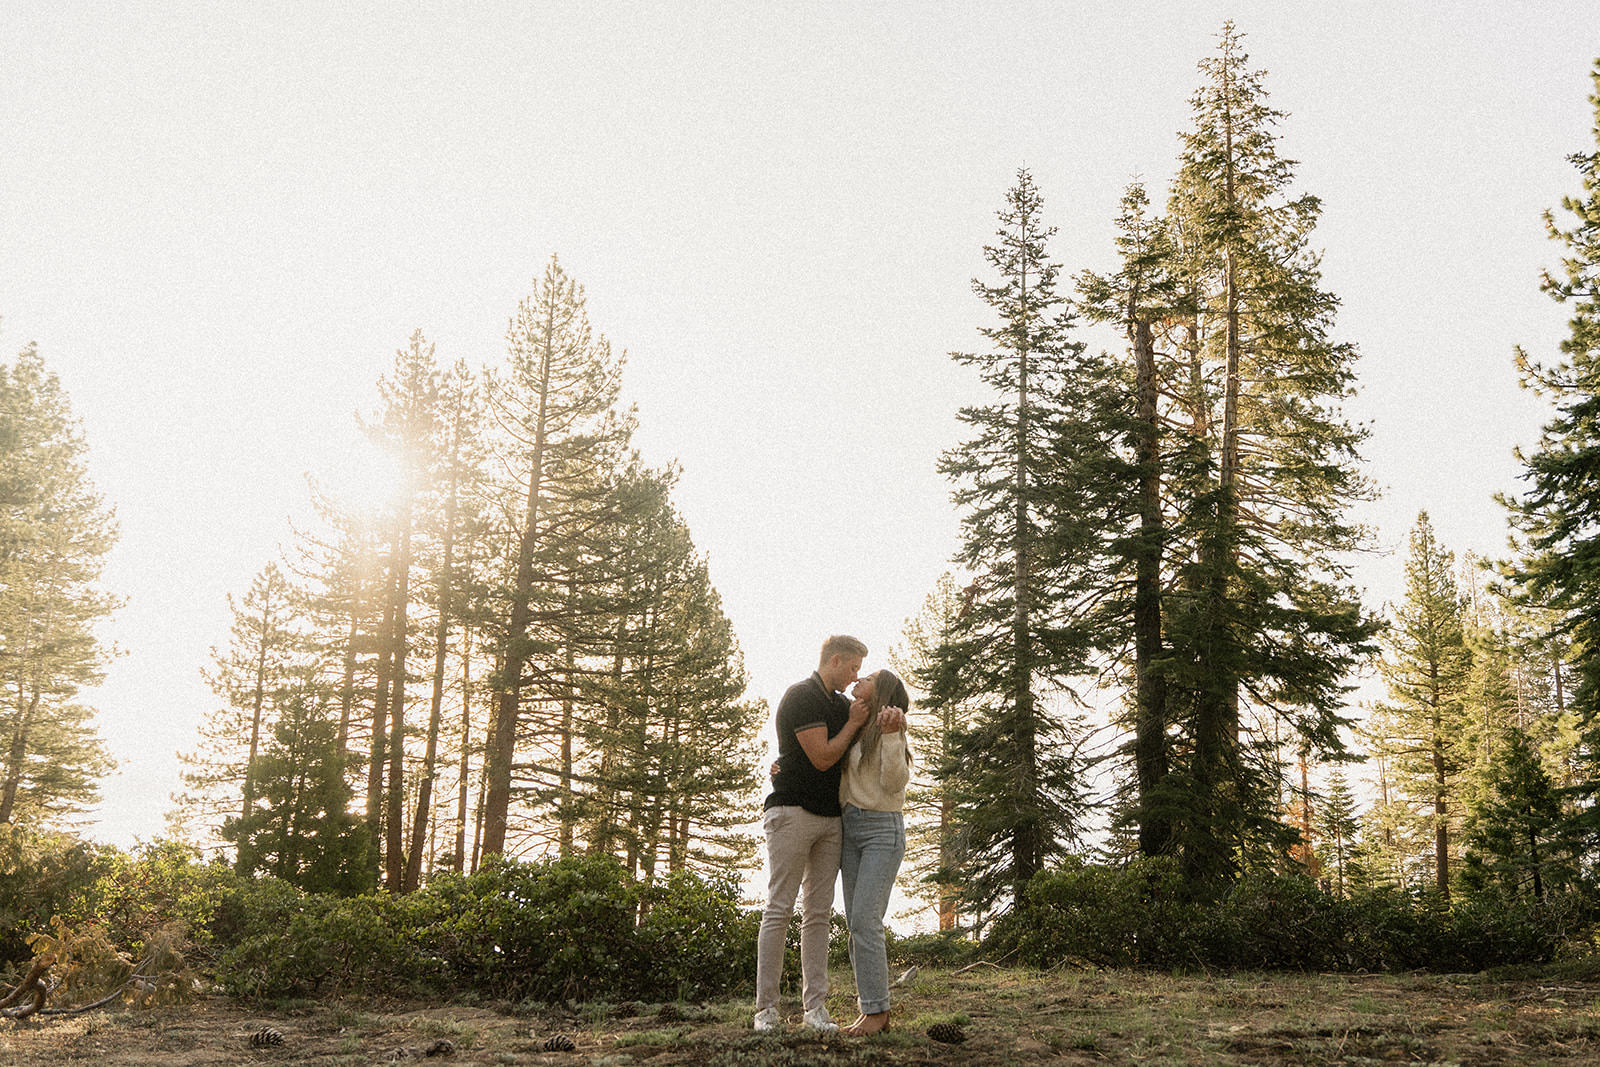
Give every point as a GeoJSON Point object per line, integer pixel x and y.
{"type": "Point", "coordinates": [1008, 1016]}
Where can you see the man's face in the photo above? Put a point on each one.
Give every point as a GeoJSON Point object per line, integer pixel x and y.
{"type": "Point", "coordinates": [842, 672]}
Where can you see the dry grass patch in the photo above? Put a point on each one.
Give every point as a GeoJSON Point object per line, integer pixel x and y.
{"type": "Point", "coordinates": [1007, 1016]}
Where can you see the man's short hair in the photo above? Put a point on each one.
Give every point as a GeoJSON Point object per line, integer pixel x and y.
{"type": "Point", "coordinates": [842, 645]}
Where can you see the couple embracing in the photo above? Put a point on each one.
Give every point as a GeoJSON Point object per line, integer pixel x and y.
{"type": "Point", "coordinates": [835, 808]}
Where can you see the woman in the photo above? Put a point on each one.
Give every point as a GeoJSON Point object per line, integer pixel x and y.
{"type": "Point", "coordinates": [872, 793]}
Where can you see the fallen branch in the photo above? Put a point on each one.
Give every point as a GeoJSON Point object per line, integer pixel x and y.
{"type": "Point", "coordinates": [970, 966]}
{"type": "Point", "coordinates": [107, 999]}
{"type": "Point", "coordinates": [985, 963]}
{"type": "Point", "coordinates": [32, 986]}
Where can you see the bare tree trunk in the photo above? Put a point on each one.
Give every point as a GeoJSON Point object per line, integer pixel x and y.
{"type": "Point", "coordinates": [1150, 685]}
{"type": "Point", "coordinates": [380, 718]}
{"type": "Point", "coordinates": [502, 742]}
{"type": "Point", "coordinates": [17, 756]}
{"type": "Point", "coordinates": [258, 698]}
{"type": "Point", "coordinates": [394, 825]}
{"type": "Point", "coordinates": [465, 768]}
{"type": "Point", "coordinates": [441, 643]}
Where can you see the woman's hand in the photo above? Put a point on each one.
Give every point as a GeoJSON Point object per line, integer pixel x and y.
{"type": "Point", "coordinates": [892, 720]}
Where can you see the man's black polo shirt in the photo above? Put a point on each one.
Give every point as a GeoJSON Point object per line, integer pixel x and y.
{"type": "Point", "coordinates": [807, 704]}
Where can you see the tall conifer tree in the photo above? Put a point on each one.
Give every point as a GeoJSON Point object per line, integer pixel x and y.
{"type": "Point", "coordinates": [264, 664]}
{"type": "Point", "coordinates": [1263, 622]}
{"type": "Point", "coordinates": [1424, 728]}
{"type": "Point", "coordinates": [556, 404]}
{"type": "Point", "coordinates": [55, 532]}
{"type": "Point", "coordinates": [1014, 772]}
{"type": "Point", "coordinates": [1557, 518]}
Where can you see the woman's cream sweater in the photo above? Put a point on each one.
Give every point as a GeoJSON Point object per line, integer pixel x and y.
{"type": "Point", "coordinates": [877, 782]}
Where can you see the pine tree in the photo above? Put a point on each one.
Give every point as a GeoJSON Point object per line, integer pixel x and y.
{"type": "Point", "coordinates": [557, 406]}
{"type": "Point", "coordinates": [1426, 666]}
{"type": "Point", "coordinates": [1559, 516]}
{"type": "Point", "coordinates": [302, 831]}
{"type": "Point", "coordinates": [408, 429]}
{"type": "Point", "coordinates": [1338, 824]}
{"type": "Point", "coordinates": [1141, 298]}
{"type": "Point", "coordinates": [1515, 839]}
{"type": "Point", "coordinates": [1490, 707]}
{"type": "Point", "coordinates": [1263, 623]}
{"type": "Point", "coordinates": [264, 663]}
{"type": "Point", "coordinates": [1027, 482]}
{"type": "Point", "coordinates": [667, 731]}
{"type": "Point", "coordinates": [933, 834]}
{"type": "Point", "coordinates": [1557, 519]}
{"type": "Point", "coordinates": [459, 427]}
{"type": "Point", "coordinates": [55, 532]}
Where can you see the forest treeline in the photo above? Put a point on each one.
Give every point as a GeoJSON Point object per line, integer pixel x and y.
{"type": "Point", "coordinates": [521, 651]}
{"type": "Point", "coordinates": [1144, 655]}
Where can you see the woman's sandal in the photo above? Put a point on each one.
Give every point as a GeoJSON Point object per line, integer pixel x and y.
{"type": "Point", "coordinates": [854, 1028]}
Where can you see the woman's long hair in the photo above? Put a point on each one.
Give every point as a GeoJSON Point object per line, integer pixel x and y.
{"type": "Point", "coordinates": [888, 691]}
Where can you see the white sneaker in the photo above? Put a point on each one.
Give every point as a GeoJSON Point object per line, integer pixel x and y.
{"type": "Point", "coordinates": [819, 1019]}
{"type": "Point", "coordinates": [768, 1019]}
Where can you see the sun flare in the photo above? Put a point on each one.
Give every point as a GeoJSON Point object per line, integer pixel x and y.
{"type": "Point", "coordinates": [365, 478]}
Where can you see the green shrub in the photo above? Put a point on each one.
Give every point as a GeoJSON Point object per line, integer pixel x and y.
{"type": "Point", "coordinates": [1139, 916]}
{"type": "Point", "coordinates": [948, 948]}
{"type": "Point", "coordinates": [1133, 916]}
{"type": "Point", "coordinates": [696, 938]}
{"type": "Point", "coordinates": [1392, 930]}
{"type": "Point", "coordinates": [43, 875]}
{"type": "Point", "coordinates": [1492, 931]}
{"type": "Point", "coordinates": [256, 907]}
{"type": "Point", "coordinates": [1276, 922]}
{"type": "Point", "coordinates": [545, 931]}
{"type": "Point", "coordinates": [154, 887]}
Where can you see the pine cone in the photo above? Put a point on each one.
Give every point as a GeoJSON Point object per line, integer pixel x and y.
{"type": "Point", "coordinates": [949, 1033]}
{"type": "Point", "coordinates": [670, 1013]}
{"type": "Point", "coordinates": [266, 1037]}
{"type": "Point", "coordinates": [559, 1043]}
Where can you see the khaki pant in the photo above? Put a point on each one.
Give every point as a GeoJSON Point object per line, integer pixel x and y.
{"type": "Point", "coordinates": [802, 855]}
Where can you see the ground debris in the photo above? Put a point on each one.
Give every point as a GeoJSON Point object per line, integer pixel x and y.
{"type": "Point", "coordinates": [1008, 1015]}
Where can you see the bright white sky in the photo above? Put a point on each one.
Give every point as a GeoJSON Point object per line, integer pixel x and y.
{"type": "Point", "coordinates": [219, 221]}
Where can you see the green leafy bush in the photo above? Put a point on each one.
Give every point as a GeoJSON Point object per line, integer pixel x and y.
{"type": "Point", "coordinates": [696, 938]}
{"type": "Point", "coordinates": [1133, 916]}
{"type": "Point", "coordinates": [156, 888]}
{"type": "Point", "coordinates": [1276, 922]}
{"type": "Point", "coordinates": [948, 948]}
{"type": "Point", "coordinates": [44, 875]}
{"type": "Point", "coordinates": [1140, 916]}
{"type": "Point", "coordinates": [544, 931]}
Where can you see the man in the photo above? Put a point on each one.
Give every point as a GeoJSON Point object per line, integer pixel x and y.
{"type": "Point", "coordinates": [816, 725]}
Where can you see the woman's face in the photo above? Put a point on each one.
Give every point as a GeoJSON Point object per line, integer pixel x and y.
{"type": "Point", "coordinates": [863, 689]}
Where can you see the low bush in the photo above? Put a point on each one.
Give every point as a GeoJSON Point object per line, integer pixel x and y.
{"type": "Point", "coordinates": [696, 939]}
{"type": "Point", "coordinates": [543, 931]}
{"type": "Point", "coordinates": [43, 876]}
{"type": "Point", "coordinates": [1140, 916]}
{"type": "Point", "coordinates": [1275, 922]}
{"type": "Point", "coordinates": [564, 929]}
{"type": "Point", "coordinates": [1133, 916]}
{"type": "Point", "coordinates": [156, 889]}
{"type": "Point", "coordinates": [948, 948]}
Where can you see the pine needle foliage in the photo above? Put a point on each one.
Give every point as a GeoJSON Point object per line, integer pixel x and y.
{"type": "Point", "coordinates": [1026, 487]}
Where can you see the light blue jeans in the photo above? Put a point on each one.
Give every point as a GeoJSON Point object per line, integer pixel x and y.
{"type": "Point", "coordinates": [874, 844]}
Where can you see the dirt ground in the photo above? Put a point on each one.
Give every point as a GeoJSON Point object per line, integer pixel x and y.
{"type": "Point", "coordinates": [1006, 1017]}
